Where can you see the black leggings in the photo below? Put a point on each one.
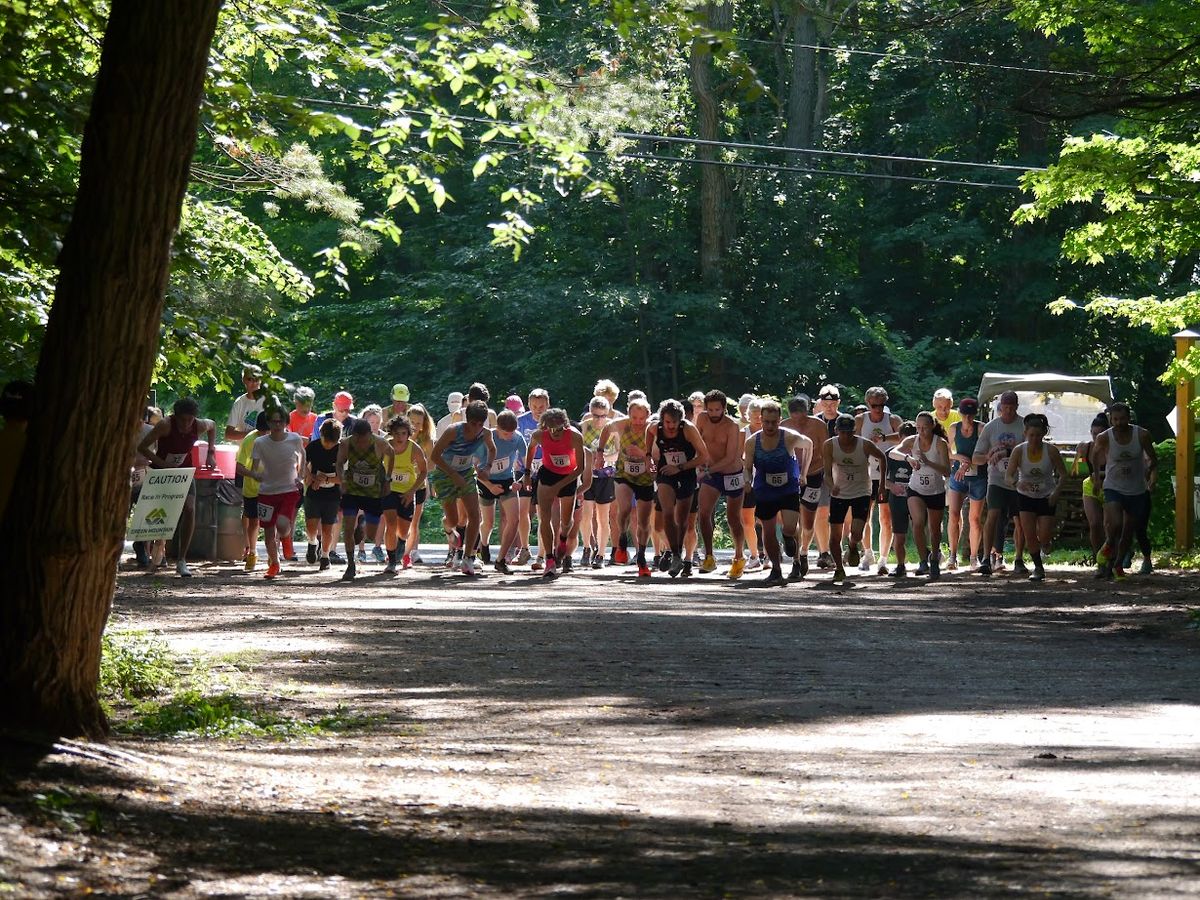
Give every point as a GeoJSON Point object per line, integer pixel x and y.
{"type": "Point", "coordinates": [1143, 527]}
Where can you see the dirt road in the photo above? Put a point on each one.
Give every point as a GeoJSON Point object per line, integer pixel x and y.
{"type": "Point", "coordinates": [597, 737]}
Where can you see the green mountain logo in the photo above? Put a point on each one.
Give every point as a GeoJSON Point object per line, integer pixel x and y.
{"type": "Point", "coordinates": [156, 517]}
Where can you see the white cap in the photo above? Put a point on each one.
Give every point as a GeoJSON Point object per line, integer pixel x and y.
{"type": "Point", "coordinates": [943, 394]}
{"type": "Point", "coordinates": [454, 401]}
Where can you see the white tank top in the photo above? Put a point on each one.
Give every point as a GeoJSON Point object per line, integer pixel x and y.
{"type": "Point", "coordinates": [925, 481]}
{"type": "Point", "coordinates": [1035, 479]}
{"type": "Point", "coordinates": [871, 430]}
{"type": "Point", "coordinates": [850, 470]}
{"type": "Point", "coordinates": [1125, 470]}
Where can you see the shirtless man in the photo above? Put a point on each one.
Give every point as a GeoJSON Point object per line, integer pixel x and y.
{"type": "Point", "coordinates": [725, 477]}
{"type": "Point", "coordinates": [816, 431]}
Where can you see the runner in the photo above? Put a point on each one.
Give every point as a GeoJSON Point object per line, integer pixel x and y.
{"type": "Point", "coordinates": [454, 403]}
{"type": "Point", "coordinates": [968, 482]}
{"type": "Point", "coordinates": [895, 486]}
{"type": "Point", "coordinates": [1126, 454]}
{"type": "Point", "coordinates": [726, 478]}
{"type": "Point", "coordinates": [848, 476]}
{"type": "Point", "coordinates": [278, 464]}
{"type": "Point", "coordinates": [250, 488]}
{"type": "Point", "coordinates": [635, 481]}
{"type": "Point", "coordinates": [1092, 490]}
{"type": "Point", "coordinates": [557, 481]}
{"type": "Point", "coordinates": [302, 419]}
{"type": "Point", "coordinates": [371, 531]}
{"type": "Point", "coordinates": [454, 454]}
{"type": "Point", "coordinates": [538, 402]}
{"type": "Point", "coordinates": [695, 406]}
{"type": "Point", "coordinates": [879, 426]}
{"type": "Point", "coordinates": [678, 450]}
{"type": "Point", "coordinates": [944, 412]}
{"type": "Point", "coordinates": [399, 503]}
{"type": "Point", "coordinates": [814, 429]}
{"type": "Point", "coordinates": [929, 455]}
{"type": "Point", "coordinates": [323, 492]}
{"type": "Point", "coordinates": [364, 467]}
{"type": "Point", "coordinates": [168, 445]}
{"type": "Point", "coordinates": [498, 485]}
{"type": "Point", "coordinates": [400, 399]}
{"type": "Point", "coordinates": [995, 444]}
{"type": "Point", "coordinates": [244, 413]}
{"type": "Point", "coordinates": [751, 527]}
{"type": "Point", "coordinates": [151, 416]}
{"type": "Point", "coordinates": [1036, 472]}
{"type": "Point", "coordinates": [773, 460]}
{"type": "Point", "coordinates": [422, 433]}
{"type": "Point", "coordinates": [828, 399]}
{"type": "Point", "coordinates": [601, 492]}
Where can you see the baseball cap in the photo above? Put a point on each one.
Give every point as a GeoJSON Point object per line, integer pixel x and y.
{"type": "Point", "coordinates": [1010, 397]}
{"type": "Point", "coordinates": [343, 400]}
{"type": "Point", "coordinates": [513, 402]}
{"type": "Point", "coordinates": [943, 394]}
{"type": "Point", "coordinates": [829, 392]}
{"type": "Point", "coordinates": [454, 400]}
{"type": "Point", "coordinates": [400, 392]}
{"type": "Point", "coordinates": [249, 370]}
{"type": "Point", "coordinates": [844, 423]}
{"type": "Point", "coordinates": [968, 406]}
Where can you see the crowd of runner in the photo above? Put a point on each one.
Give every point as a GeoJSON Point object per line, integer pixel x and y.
{"type": "Point", "coordinates": [631, 487]}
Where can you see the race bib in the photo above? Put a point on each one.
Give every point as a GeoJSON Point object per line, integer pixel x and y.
{"type": "Point", "coordinates": [924, 480]}
{"type": "Point", "coordinates": [850, 476]}
{"type": "Point", "coordinates": [174, 459]}
{"type": "Point", "coordinates": [364, 479]}
{"type": "Point", "coordinates": [675, 457]}
{"type": "Point", "coordinates": [811, 495]}
{"type": "Point", "coordinates": [560, 460]}
{"type": "Point", "coordinates": [1031, 488]}
{"type": "Point", "coordinates": [635, 467]}
{"type": "Point", "coordinates": [499, 466]}
{"type": "Point", "coordinates": [404, 479]}
{"type": "Point", "coordinates": [462, 463]}
{"type": "Point", "coordinates": [137, 477]}
{"type": "Point", "coordinates": [735, 481]}
{"type": "Point", "coordinates": [265, 512]}
{"type": "Point", "coordinates": [777, 479]}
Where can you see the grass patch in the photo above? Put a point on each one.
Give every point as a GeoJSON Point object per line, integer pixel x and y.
{"type": "Point", "coordinates": [196, 714]}
{"type": "Point", "coordinates": [135, 665]}
{"type": "Point", "coordinates": [69, 811]}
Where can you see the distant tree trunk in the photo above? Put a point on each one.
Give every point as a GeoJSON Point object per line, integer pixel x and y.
{"type": "Point", "coordinates": [64, 522]}
{"type": "Point", "coordinates": [714, 183]}
{"type": "Point", "coordinates": [803, 97]}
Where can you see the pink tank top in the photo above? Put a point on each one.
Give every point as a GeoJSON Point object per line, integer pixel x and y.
{"type": "Point", "coordinates": [558, 456]}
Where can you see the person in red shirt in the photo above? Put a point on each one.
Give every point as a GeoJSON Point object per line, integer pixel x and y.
{"type": "Point", "coordinates": [302, 419]}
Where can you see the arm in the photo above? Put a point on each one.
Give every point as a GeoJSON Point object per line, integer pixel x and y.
{"type": "Point", "coordinates": [748, 464]}
{"type": "Point", "coordinates": [439, 449]}
{"type": "Point", "coordinates": [1099, 456]}
{"type": "Point", "coordinates": [801, 448]}
{"type": "Point", "coordinates": [983, 448]}
{"type": "Point", "coordinates": [827, 454]}
{"type": "Point", "coordinates": [895, 437]}
{"type": "Point", "coordinates": [903, 449]}
{"type": "Point", "coordinates": [535, 441]}
{"type": "Point", "coordinates": [1014, 467]}
{"type": "Point", "coordinates": [422, 470]}
{"type": "Point", "coordinates": [874, 451]}
{"type": "Point", "coordinates": [701, 458]}
{"type": "Point", "coordinates": [490, 442]}
{"type": "Point", "coordinates": [211, 427]}
{"type": "Point", "coordinates": [1060, 472]}
{"type": "Point", "coordinates": [343, 457]}
{"type": "Point", "coordinates": [941, 468]}
{"type": "Point", "coordinates": [1151, 459]}
{"type": "Point", "coordinates": [162, 429]}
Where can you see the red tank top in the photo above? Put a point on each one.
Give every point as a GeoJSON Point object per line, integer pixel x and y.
{"type": "Point", "coordinates": [558, 456]}
{"type": "Point", "coordinates": [177, 442]}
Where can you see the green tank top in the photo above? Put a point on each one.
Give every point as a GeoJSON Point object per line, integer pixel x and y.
{"type": "Point", "coordinates": [363, 471]}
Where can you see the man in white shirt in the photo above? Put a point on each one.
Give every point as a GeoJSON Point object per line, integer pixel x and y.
{"type": "Point", "coordinates": [454, 405]}
{"type": "Point", "coordinates": [244, 413]}
{"type": "Point", "coordinates": [278, 464]}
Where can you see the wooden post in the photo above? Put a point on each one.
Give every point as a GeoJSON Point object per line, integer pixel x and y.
{"type": "Point", "coordinates": [1185, 446]}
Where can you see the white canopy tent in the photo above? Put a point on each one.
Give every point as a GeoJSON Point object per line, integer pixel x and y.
{"type": "Point", "coordinates": [1069, 402]}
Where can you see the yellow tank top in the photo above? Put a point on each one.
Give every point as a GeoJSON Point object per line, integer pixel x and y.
{"type": "Point", "coordinates": [404, 472]}
{"type": "Point", "coordinates": [636, 471]}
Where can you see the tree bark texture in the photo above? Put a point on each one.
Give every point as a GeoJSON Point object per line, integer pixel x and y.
{"type": "Point", "coordinates": [802, 98]}
{"type": "Point", "coordinates": [66, 517]}
{"type": "Point", "coordinates": [714, 182]}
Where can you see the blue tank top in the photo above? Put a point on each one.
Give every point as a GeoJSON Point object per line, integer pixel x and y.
{"type": "Point", "coordinates": [965, 446]}
{"type": "Point", "coordinates": [460, 455]}
{"type": "Point", "coordinates": [776, 472]}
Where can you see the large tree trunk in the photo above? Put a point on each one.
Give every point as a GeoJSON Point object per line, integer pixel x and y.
{"type": "Point", "coordinates": [714, 184]}
{"type": "Point", "coordinates": [803, 97]}
{"type": "Point", "coordinates": [61, 533]}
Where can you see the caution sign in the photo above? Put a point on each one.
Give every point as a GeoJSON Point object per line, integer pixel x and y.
{"type": "Point", "coordinates": [158, 507]}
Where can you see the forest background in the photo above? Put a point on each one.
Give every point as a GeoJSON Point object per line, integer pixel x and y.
{"type": "Point", "coordinates": [677, 196]}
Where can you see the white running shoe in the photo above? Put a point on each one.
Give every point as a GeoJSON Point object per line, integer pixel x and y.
{"type": "Point", "coordinates": [182, 570]}
{"type": "Point", "coordinates": [468, 566]}
{"type": "Point", "coordinates": [754, 565]}
{"type": "Point", "coordinates": [415, 558]}
{"type": "Point", "coordinates": [868, 561]}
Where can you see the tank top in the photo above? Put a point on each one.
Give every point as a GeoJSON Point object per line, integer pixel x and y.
{"type": "Point", "coordinates": [363, 470]}
{"type": "Point", "coordinates": [635, 471]}
{"type": "Point", "coordinates": [898, 472]}
{"type": "Point", "coordinates": [674, 451]}
{"type": "Point", "coordinates": [850, 470]}
{"type": "Point", "coordinates": [1080, 465]}
{"type": "Point", "coordinates": [1125, 468]}
{"type": "Point", "coordinates": [776, 471]}
{"type": "Point", "coordinates": [965, 446]}
{"type": "Point", "coordinates": [591, 440]}
{"type": "Point", "coordinates": [404, 471]}
{"type": "Point", "coordinates": [925, 481]}
{"type": "Point", "coordinates": [870, 429]}
{"type": "Point", "coordinates": [508, 452]}
{"type": "Point", "coordinates": [558, 456]}
{"type": "Point", "coordinates": [1035, 478]}
{"type": "Point", "coordinates": [460, 454]}
{"type": "Point", "coordinates": [176, 446]}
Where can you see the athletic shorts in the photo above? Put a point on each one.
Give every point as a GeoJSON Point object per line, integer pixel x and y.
{"type": "Point", "coordinates": [643, 493]}
{"type": "Point", "coordinates": [1134, 504]}
{"type": "Point", "coordinates": [1003, 499]}
{"type": "Point", "coordinates": [810, 494]}
{"type": "Point", "coordinates": [353, 504]}
{"type": "Point", "coordinates": [683, 484]}
{"type": "Point", "coordinates": [1039, 506]}
{"type": "Point", "coordinates": [550, 479]}
{"type": "Point", "coordinates": [899, 510]}
{"type": "Point", "coordinates": [931, 501]}
{"type": "Point", "coordinates": [874, 490]}
{"type": "Point", "coordinates": [420, 496]}
{"type": "Point", "coordinates": [486, 496]}
{"type": "Point", "coordinates": [730, 484]}
{"type": "Point", "coordinates": [323, 504]}
{"type": "Point", "coordinates": [858, 507]}
{"type": "Point", "coordinates": [1089, 491]}
{"type": "Point", "coordinates": [603, 490]}
{"type": "Point", "coordinates": [250, 507]}
{"type": "Point", "coordinates": [975, 488]}
{"type": "Point", "coordinates": [749, 499]}
{"type": "Point", "coordinates": [448, 490]}
{"type": "Point", "coordinates": [392, 502]}
{"type": "Point", "coordinates": [768, 509]}
{"type": "Point", "coordinates": [276, 508]}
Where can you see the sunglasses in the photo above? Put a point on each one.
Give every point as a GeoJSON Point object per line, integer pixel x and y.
{"type": "Point", "coordinates": [830, 397]}
{"type": "Point", "coordinates": [876, 405]}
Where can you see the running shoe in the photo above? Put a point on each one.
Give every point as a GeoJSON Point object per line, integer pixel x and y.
{"type": "Point", "coordinates": [935, 565]}
{"type": "Point", "coordinates": [390, 568]}
{"type": "Point", "coordinates": [900, 571]}
{"type": "Point", "coordinates": [561, 551]}
{"type": "Point", "coordinates": [621, 556]}
{"type": "Point", "coordinates": [643, 570]}
{"type": "Point", "coordinates": [868, 560]}
{"type": "Point", "coordinates": [485, 553]}
{"type": "Point", "coordinates": [825, 560]}
{"type": "Point", "coordinates": [251, 561]}
{"type": "Point", "coordinates": [804, 564]}
{"type": "Point", "coordinates": [1118, 572]}
{"type": "Point", "coordinates": [182, 570]}
{"type": "Point", "coordinates": [567, 564]}
{"type": "Point", "coordinates": [985, 566]}
{"type": "Point", "coordinates": [415, 556]}
{"type": "Point", "coordinates": [502, 567]}
{"type": "Point", "coordinates": [522, 556]}
{"type": "Point", "coordinates": [1103, 572]}
{"type": "Point", "coordinates": [468, 566]}
{"type": "Point", "coordinates": [140, 554]}
{"type": "Point", "coordinates": [1147, 567]}
{"type": "Point", "coordinates": [1019, 567]}
{"type": "Point", "coordinates": [324, 564]}
{"type": "Point", "coordinates": [597, 560]}
{"type": "Point", "coordinates": [882, 570]}
{"type": "Point", "coordinates": [709, 565]}
{"type": "Point", "coordinates": [1039, 573]}
{"type": "Point", "coordinates": [839, 574]}
{"type": "Point", "coordinates": [458, 558]}
{"type": "Point", "coordinates": [923, 567]}
{"type": "Point", "coordinates": [361, 556]}
{"type": "Point", "coordinates": [664, 562]}
{"type": "Point", "coordinates": [311, 556]}
{"type": "Point", "coordinates": [537, 564]}
{"type": "Point", "coordinates": [789, 545]}
{"type": "Point", "coordinates": [350, 572]}
{"type": "Point", "coordinates": [273, 571]}
{"type": "Point", "coordinates": [696, 559]}
{"type": "Point", "coordinates": [335, 557]}
{"type": "Point", "coordinates": [775, 576]}
{"type": "Point", "coordinates": [852, 555]}
{"type": "Point", "coordinates": [795, 575]}
{"type": "Point", "coordinates": [289, 551]}
{"type": "Point", "coordinates": [754, 564]}
{"type": "Point", "coordinates": [997, 562]}
{"type": "Point", "coordinates": [675, 565]}
{"type": "Point", "coordinates": [406, 562]}
{"type": "Point", "coordinates": [737, 568]}
{"type": "Point", "coordinates": [586, 561]}
{"type": "Point", "coordinates": [952, 564]}
{"type": "Point", "coordinates": [551, 567]}
{"type": "Point", "coordinates": [687, 569]}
